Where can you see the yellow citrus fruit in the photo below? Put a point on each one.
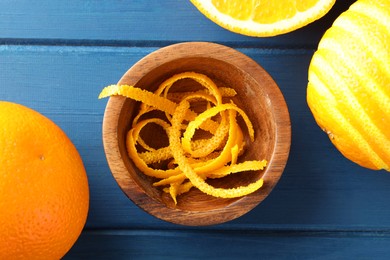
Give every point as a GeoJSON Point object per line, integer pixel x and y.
{"type": "Point", "coordinates": [263, 18]}
{"type": "Point", "coordinates": [349, 83]}
{"type": "Point", "coordinates": [44, 194]}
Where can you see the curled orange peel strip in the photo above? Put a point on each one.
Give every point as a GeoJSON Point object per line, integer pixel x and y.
{"type": "Point", "coordinates": [182, 188]}
{"type": "Point", "coordinates": [178, 96]}
{"type": "Point", "coordinates": [138, 127]}
{"type": "Point", "coordinates": [169, 180]}
{"type": "Point", "coordinates": [156, 156]}
{"type": "Point", "coordinates": [141, 95]}
{"type": "Point", "coordinates": [139, 162]}
{"type": "Point", "coordinates": [198, 77]}
{"type": "Point", "coordinates": [221, 172]}
{"type": "Point", "coordinates": [152, 100]}
{"type": "Point", "coordinates": [234, 152]}
{"type": "Point", "coordinates": [195, 124]}
{"type": "Point", "coordinates": [190, 161]}
{"type": "Point", "coordinates": [186, 168]}
{"type": "Point", "coordinates": [239, 167]}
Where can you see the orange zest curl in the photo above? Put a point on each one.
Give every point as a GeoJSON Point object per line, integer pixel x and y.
{"type": "Point", "coordinates": [201, 144]}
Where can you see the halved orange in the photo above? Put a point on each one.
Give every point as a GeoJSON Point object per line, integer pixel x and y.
{"type": "Point", "coordinates": [263, 18]}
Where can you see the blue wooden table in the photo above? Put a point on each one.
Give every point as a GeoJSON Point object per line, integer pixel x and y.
{"type": "Point", "coordinates": [56, 56]}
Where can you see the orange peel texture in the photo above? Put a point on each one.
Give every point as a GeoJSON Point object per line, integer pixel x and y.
{"type": "Point", "coordinates": [201, 144]}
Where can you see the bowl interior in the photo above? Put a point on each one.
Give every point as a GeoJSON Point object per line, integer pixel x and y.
{"type": "Point", "coordinates": [250, 97]}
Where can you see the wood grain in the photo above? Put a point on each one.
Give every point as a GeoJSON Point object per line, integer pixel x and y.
{"type": "Point", "coordinates": [257, 94]}
{"type": "Point", "coordinates": [237, 244]}
{"type": "Point", "coordinates": [56, 57]}
{"type": "Point", "coordinates": [319, 187]}
{"type": "Point", "coordinates": [134, 23]}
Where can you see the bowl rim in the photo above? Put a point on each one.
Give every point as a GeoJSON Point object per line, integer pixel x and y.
{"type": "Point", "coordinates": [185, 50]}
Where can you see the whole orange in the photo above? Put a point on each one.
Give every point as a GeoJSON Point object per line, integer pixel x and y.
{"type": "Point", "coordinates": [44, 194]}
{"type": "Point", "coordinates": [349, 83]}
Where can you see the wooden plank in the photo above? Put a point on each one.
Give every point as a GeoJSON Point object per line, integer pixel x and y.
{"type": "Point", "coordinates": [133, 23]}
{"type": "Point", "coordinates": [143, 244]}
{"type": "Point", "coordinates": [319, 189]}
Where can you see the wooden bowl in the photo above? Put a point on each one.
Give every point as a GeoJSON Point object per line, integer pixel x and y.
{"type": "Point", "coordinates": [258, 95]}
